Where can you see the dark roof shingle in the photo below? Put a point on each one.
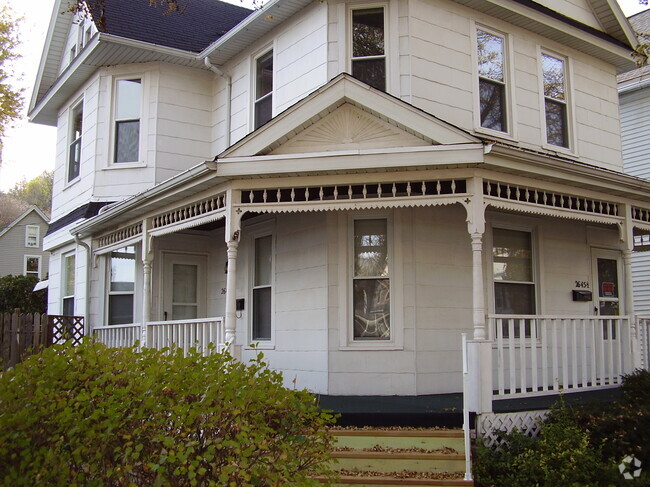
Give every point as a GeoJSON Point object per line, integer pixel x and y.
{"type": "Point", "coordinates": [199, 24]}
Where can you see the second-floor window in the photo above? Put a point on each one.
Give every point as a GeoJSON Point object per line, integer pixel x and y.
{"type": "Point", "coordinates": [368, 47]}
{"type": "Point", "coordinates": [127, 120]}
{"type": "Point", "coordinates": [74, 158]}
{"type": "Point", "coordinates": [491, 80]}
{"type": "Point", "coordinates": [32, 235]}
{"type": "Point", "coordinates": [263, 89]}
{"type": "Point", "coordinates": [555, 100]}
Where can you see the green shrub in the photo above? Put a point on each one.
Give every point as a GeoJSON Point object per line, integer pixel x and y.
{"type": "Point", "coordinates": [562, 456]}
{"type": "Point", "coordinates": [93, 416]}
{"type": "Point", "coordinates": [17, 292]}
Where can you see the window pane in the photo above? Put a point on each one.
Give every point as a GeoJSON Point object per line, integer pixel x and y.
{"type": "Point", "coordinates": [370, 248]}
{"type": "Point", "coordinates": [68, 306]}
{"type": "Point", "coordinates": [517, 299]}
{"type": "Point", "coordinates": [556, 123]}
{"type": "Point", "coordinates": [371, 309]}
{"type": "Point", "coordinates": [263, 111]}
{"type": "Point", "coordinates": [120, 309]}
{"type": "Point", "coordinates": [490, 56]}
{"type": "Point", "coordinates": [264, 82]}
{"type": "Point", "coordinates": [184, 286]}
{"type": "Point", "coordinates": [607, 278]}
{"type": "Point", "coordinates": [263, 260]}
{"type": "Point", "coordinates": [75, 160]}
{"type": "Point", "coordinates": [69, 275]}
{"type": "Point", "coordinates": [553, 73]}
{"type": "Point", "coordinates": [370, 71]}
{"type": "Point", "coordinates": [492, 99]}
{"type": "Point", "coordinates": [262, 313]}
{"type": "Point", "coordinates": [184, 312]}
{"type": "Point", "coordinates": [31, 265]}
{"type": "Point", "coordinates": [77, 120]}
{"type": "Point", "coordinates": [512, 255]}
{"type": "Point", "coordinates": [127, 141]}
{"type": "Point", "coordinates": [123, 270]}
{"type": "Point", "coordinates": [368, 32]}
{"type": "Point", "coordinates": [127, 95]}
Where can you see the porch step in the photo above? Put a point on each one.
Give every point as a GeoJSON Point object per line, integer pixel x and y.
{"type": "Point", "coordinates": [393, 457]}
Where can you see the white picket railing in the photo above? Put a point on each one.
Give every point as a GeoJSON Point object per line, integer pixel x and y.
{"type": "Point", "coordinates": [535, 355]}
{"type": "Point", "coordinates": [118, 336]}
{"type": "Point", "coordinates": [643, 337]}
{"type": "Point", "coordinates": [186, 334]}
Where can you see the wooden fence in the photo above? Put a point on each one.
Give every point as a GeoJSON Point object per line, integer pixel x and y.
{"type": "Point", "coordinates": [23, 334]}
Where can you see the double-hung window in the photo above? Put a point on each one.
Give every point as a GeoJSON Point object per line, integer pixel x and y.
{"type": "Point", "coordinates": [121, 286]}
{"type": "Point", "coordinates": [74, 157]}
{"type": "Point", "coordinates": [263, 89]}
{"type": "Point", "coordinates": [127, 120]}
{"type": "Point", "coordinates": [68, 284]}
{"type": "Point", "coordinates": [262, 311]}
{"type": "Point", "coordinates": [513, 274]}
{"type": "Point", "coordinates": [32, 265]}
{"type": "Point", "coordinates": [32, 236]}
{"type": "Point", "coordinates": [554, 80]}
{"type": "Point", "coordinates": [492, 80]}
{"type": "Point", "coordinates": [369, 46]}
{"type": "Point", "coordinates": [371, 280]}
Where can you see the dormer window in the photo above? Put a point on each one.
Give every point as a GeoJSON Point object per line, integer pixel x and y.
{"type": "Point", "coordinates": [368, 47]}
{"type": "Point", "coordinates": [73, 53]}
{"type": "Point", "coordinates": [127, 120]}
{"type": "Point", "coordinates": [263, 89]}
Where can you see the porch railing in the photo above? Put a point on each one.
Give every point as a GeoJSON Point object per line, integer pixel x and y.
{"type": "Point", "coordinates": [118, 336]}
{"type": "Point", "coordinates": [185, 334]}
{"type": "Point", "coordinates": [643, 337]}
{"type": "Point", "coordinates": [535, 355]}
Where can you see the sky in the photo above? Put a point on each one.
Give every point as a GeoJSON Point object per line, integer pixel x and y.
{"type": "Point", "coordinates": [29, 149]}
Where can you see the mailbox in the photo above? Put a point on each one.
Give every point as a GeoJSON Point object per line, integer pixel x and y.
{"type": "Point", "coordinates": [582, 295]}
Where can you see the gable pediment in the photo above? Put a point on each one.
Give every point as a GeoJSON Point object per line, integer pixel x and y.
{"type": "Point", "coordinates": [349, 128]}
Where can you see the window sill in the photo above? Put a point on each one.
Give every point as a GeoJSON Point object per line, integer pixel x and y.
{"type": "Point", "coordinates": [69, 184]}
{"type": "Point", "coordinates": [495, 133]}
{"type": "Point", "coordinates": [124, 165]}
{"type": "Point", "coordinates": [560, 150]}
{"type": "Point", "coordinates": [362, 347]}
{"type": "Point", "coordinates": [260, 346]}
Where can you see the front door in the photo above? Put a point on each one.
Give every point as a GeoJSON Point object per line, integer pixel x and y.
{"type": "Point", "coordinates": [184, 283]}
{"type": "Point", "coordinates": [607, 279]}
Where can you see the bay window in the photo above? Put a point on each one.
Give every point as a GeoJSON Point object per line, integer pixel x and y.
{"type": "Point", "coordinates": [127, 120]}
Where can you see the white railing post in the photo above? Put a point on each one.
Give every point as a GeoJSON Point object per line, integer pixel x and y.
{"type": "Point", "coordinates": [468, 459]}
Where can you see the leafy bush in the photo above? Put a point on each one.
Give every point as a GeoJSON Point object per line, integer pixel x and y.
{"type": "Point", "coordinates": [561, 457]}
{"type": "Point", "coordinates": [16, 292]}
{"type": "Point", "coordinates": [93, 416]}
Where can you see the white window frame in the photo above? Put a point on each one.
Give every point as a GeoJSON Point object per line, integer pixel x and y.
{"type": "Point", "coordinates": [37, 230]}
{"type": "Point", "coordinates": [64, 278]}
{"type": "Point", "coordinates": [254, 100]}
{"type": "Point", "coordinates": [568, 102]}
{"type": "Point", "coordinates": [31, 273]}
{"type": "Point", "coordinates": [509, 75]}
{"type": "Point", "coordinates": [73, 141]}
{"type": "Point", "coordinates": [387, 45]}
{"type": "Point", "coordinates": [346, 288]}
{"type": "Point", "coordinates": [255, 231]}
{"type": "Point", "coordinates": [114, 120]}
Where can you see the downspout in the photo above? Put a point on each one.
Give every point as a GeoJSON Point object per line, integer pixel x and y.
{"type": "Point", "coordinates": [228, 80]}
{"type": "Point", "coordinates": [88, 262]}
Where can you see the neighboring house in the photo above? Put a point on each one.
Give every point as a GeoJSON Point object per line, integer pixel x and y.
{"type": "Point", "coordinates": [634, 99]}
{"type": "Point", "coordinates": [466, 177]}
{"type": "Point", "coordinates": [21, 245]}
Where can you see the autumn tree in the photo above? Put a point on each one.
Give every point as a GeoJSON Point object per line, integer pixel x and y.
{"type": "Point", "coordinates": [37, 191]}
{"type": "Point", "coordinates": [11, 99]}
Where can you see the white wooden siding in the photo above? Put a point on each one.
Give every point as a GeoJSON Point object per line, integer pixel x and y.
{"type": "Point", "coordinates": [580, 10]}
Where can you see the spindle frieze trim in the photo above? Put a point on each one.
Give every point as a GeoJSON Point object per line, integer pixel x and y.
{"type": "Point", "coordinates": [189, 212]}
{"type": "Point", "coordinates": [121, 235]}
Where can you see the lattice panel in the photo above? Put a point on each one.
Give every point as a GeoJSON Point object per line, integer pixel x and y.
{"type": "Point", "coordinates": [193, 210]}
{"type": "Point", "coordinates": [491, 427]}
{"type": "Point", "coordinates": [67, 328]}
{"type": "Point", "coordinates": [355, 191]}
{"type": "Point", "coordinates": [549, 199]}
{"type": "Point", "coordinates": [120, 235]}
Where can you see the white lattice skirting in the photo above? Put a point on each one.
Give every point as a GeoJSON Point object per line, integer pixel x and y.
{"type": "Point", "coordinates": [490, 426]}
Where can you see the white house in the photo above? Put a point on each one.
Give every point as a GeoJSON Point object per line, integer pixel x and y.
{"type": "Point", "coordinates": [379, 178]}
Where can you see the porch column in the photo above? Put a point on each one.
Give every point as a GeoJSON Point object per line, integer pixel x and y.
{"type": "Point", "coordinates": [232, 234]}
{"type": "Point", "coordinates": [479, 349]}
{"type": "Point", "coordinates": [147, 261]}
{"type": "Point", "coordinates": [627, 238]}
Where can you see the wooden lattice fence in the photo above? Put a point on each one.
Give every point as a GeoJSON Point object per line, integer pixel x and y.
{"type": "Point", "coordinates": [490, 426]}
{"type": "Point", "coordinates": [23, 334]}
